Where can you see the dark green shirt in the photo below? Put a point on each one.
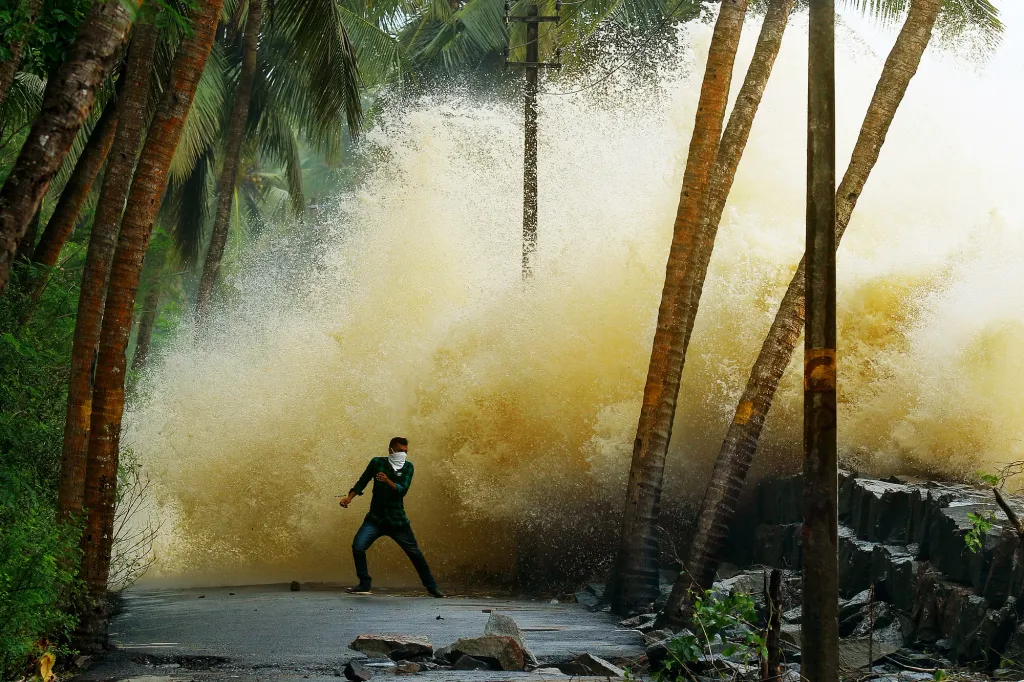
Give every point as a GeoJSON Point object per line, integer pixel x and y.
{"type": "Point", "coordinates": [386, 505]}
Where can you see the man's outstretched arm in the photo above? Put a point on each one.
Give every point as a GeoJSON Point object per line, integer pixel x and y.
{"type": "Point", "coordinates": [360, 485]}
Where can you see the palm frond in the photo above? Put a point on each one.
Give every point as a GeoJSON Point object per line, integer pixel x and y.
{"type": "Point", "coordinates": [203, 124]}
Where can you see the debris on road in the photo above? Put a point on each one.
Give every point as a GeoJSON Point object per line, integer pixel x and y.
{"type": "Point", "coordinates": [395, 647]}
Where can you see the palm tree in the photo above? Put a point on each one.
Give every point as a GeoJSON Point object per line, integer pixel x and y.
{"type": "Point", "coordinates": [635, 576]}
{"type": "Point", "coordinates": [734, 139]}
{"type": "Point", "coordinates": [76, 191]}
{"type": "Point", "coordinates": [130, 127]}
{"type": "Point", "coordinates": [10, 66]}
{"type": "Point", "coordinates": [232, 150]}
{"type": "Point", "coordinates": [66, 105]}
{"type": "Point", "coordinates": [740, 444]}
{"type": "Point", "coordinates": [820, 630]}
{"type": "Point", "coordinates": [144, 198]}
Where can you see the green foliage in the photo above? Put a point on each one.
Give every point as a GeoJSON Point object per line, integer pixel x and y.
{"type": "Point", "coordinates": [980, 525]}
{"type": "Point", "coordinates": [940, 675]}
{"type": "Point", "coordinates": [994, 480]}
{"type": "Point", "coordinates": [37, 557]}
{"type": "Point", "coordinates": [730, 620]}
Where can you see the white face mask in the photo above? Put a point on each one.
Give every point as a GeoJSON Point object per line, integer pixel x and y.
{"type": "Point", "coordinates": [397, 459]}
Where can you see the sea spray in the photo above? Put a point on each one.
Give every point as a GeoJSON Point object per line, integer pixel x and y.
{"type": "Point", "coordinates": [408, 317]}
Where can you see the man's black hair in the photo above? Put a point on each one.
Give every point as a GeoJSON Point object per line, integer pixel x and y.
{"type": "Point", "coordinates": [398, 440]}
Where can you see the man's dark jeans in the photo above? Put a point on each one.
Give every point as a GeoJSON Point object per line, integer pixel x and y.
{"type": "Point", "coordinates": [368, 534]}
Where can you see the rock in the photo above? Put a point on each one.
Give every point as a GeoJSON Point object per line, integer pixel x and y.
{"type": "Point", "coordinates": [854, 562]}
{"type": "Point", "coordinates": [793, 615]}
{"type": "Point", "coordinates": [778, 546]}
{"type": "Point", "coordinates": [470, 663]}
{"type": "Point", "coordinates": [658, 635]}
{"type": "Point", "coordinates": [587, 599]}
{"type": "Point", "coordinates": [82, 662]}
{"type": "Point", "coordinates": [501, 625]}
{"type": "Point", "coordinates": [854, 652]}
{"type": "Point", "coordinates": [395, 647]}
{"type": "Point", "coordinates": [502, 653]}
{"type": "Point", "coordinates": [870, 618]}
{"type": "Point", "coordinates": [639, 621]}
{"type": "Point", "coordinates": [790, 634]}
{"type": "Point", "coordinates": [357, 672]}
{"type": "Point", "coordinates": [894, 574]}
{"type": "Point", "coordinates": [852, 606]}
{"type": "Point", "coordinates": [408, 668]}
{"type": "Point", "coordinates": [548, 672]}
{"type": "Point", "coordinates": [295, 586]}
{"type": "Point", "coordinates": [586, 665]}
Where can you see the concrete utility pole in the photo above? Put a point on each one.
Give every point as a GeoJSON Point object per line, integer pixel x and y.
{"type": "Point", "coordinates": [820, 620]}
{"type": "Point", "coordinates": [532, 19]}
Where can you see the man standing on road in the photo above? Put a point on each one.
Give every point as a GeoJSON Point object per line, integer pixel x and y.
{"type": "Point", "coordinates": [392, 476]}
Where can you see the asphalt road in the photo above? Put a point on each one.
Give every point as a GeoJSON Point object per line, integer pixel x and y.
{"type": "Point", "coordinates": [269, 632]}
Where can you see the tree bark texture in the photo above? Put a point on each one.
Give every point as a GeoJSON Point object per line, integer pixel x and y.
{"type": "Point", "coordinates": [700, 566]}
{"type": "Point", "coordinates": [9, 68]}
{"type": "Point", "coordinates": [229, 172]}
{"type": "Point", "coordinates": [635, 577]}
{"type": "Point", "coordinates": [69, 97]}
{"type": "Point", "coordinates": [144, 199]}
{"type": "Point", "coordinates": [820, 537]}
{"type": "Point", "coordinates": [740, 443]}
{"type": "Point", "coordinates": [76, 191]}
{"type": "Point", "coordinates": [129, 130]}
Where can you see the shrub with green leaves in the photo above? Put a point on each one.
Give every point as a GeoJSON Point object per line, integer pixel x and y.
{"type": "Point", "coordinates": [38, 558]}
{"type": "Point", "coordinates": [730, 621]}
{"type": "Point", "coordinates": [980, 525]}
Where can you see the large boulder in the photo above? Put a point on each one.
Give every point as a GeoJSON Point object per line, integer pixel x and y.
{"type": "Point", "coordinates": [395, 647]}
{"type": "Point", "coordinates": [500, 653]}
{"type": "Point", "coordinates": [500, 625]}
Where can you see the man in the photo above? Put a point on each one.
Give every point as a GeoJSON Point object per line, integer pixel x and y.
{"type": "Point", "coordinates": [392, 476]}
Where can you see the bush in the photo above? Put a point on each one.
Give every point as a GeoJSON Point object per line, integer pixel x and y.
{"type": "Point", "coordinates": [38, 557]}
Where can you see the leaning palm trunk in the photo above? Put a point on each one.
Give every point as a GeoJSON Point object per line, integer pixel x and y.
{"type": "Point", "coordinates": [150, 307]}
{"type": "Point", "coordinates": [740, 443]}
{"type": "Point", "coordinates": [69, 97]}
{"type": "Point", "coordinates": [734, 140]}
{"type": "Point", "coordinates": [9, 68]}
{"type": "Point", "coordinates": [635, 577]}
{"type": "Point", "coordinates": [147, 190]}
{"type": "Point", "coordinates": [76, 191]}
{"type": "Point", "coordinates": [229, 173]}
{"type": "Point", "coordinates": [130, 129]}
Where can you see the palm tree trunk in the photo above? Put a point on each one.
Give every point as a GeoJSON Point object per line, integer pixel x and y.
{"type": "Point", "coordinates": [67, 101]}
{"type": "Point", "coordinates": [696, 579]}
{"type": "Point", "coordinates": [635, 576]}
{"type": "Point", "coordinates": [130, 129]}
{"type": "Point", "coordinates": [65, 214]}
{"type": "Point", "coordinates": [144, 199]}
{"type": "Point", "coordinates": [820, 618]}
{"type": "Point", "coordinates": [740, 444]}
{"type": "Point", "coordinates": [229, 173]}
{"type": "Point", "coordinates": [9, 69]}
{"type": "Point", "coordinates": [150, 307]}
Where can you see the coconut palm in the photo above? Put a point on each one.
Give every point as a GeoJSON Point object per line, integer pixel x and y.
{"type": "Point", "coordinates": [635, 576]}
{"type": "Point", "coordinates": [66, 105]}
{"type": "Point", "coordinates": [130, 125]}
{"type": "Point", "coordinates": [147, 189]}
{"type": "Point", "coordinates": [734, 140]}
{"type": "Point", "coordinates": [740, 444]}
